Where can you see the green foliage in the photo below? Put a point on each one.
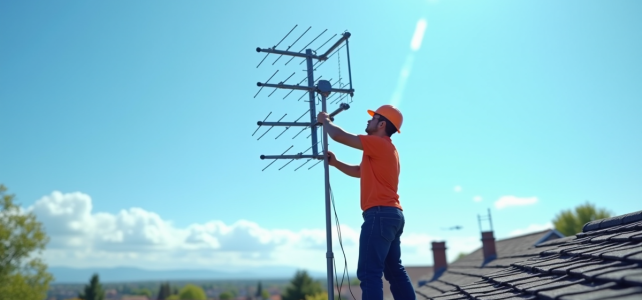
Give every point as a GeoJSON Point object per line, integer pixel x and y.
{"type": "Point", "coordinates": [173, 297]}
{"type": "Point", "coordinates": [460, 255]}
{"type": "Point", "coordinates": [164, 292]}
{"type": "Point", "coordinates": [192, 292]}
{"type": "Point", "coordinates": [265, 294]}
{"type": "Point", "coordinates": [94, 290]}
{"type": "Point", "coordinates": [355, 281]}
{"type": "Point", "coordinates": [301, 286]}
{"type": "Point", "coordinates": [143, 292]}
{"type": "Point", "coordinates": [226, 296]}
{"type": "Point", "coordinates": [319, 296]}
{"type": "Point", "coordinates": [571, 222]}
{"type": "Point", "coordinates": [22, 276]}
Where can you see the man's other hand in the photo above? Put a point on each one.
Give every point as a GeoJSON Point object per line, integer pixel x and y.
{"type": "Point", "coordinates": [322, 117]}
{"type": "Point", "coordinates": [331, 158]}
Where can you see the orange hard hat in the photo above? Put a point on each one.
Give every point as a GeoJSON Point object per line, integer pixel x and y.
{"type": "Point", "coordinates": [391, 113]}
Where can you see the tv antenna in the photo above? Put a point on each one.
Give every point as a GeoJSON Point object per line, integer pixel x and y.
{"type": "Point", "coordinates": [488, 218]}
{"type": "Point", "coordinates": [314, 88]}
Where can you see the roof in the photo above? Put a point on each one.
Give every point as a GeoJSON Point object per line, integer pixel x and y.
{"type": "Point", "coordinates": [602, 262]}
{"type": "Point", "coordinates": [468, 268]}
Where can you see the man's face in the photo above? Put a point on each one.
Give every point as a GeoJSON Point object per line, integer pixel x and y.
{"type": "Point", "coordinates": [371, 128]}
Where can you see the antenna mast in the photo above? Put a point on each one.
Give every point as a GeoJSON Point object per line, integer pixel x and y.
{"type": "Point", "coordinates": [323, 88]}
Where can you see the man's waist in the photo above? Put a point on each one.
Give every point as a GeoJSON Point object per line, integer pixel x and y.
{"type": "Point", "coordinates": [382, 208]}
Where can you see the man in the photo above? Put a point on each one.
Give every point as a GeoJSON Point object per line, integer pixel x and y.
{"type": "Point", "coordinates": [383, 220]}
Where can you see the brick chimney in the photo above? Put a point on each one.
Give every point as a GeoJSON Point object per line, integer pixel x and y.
{"type": "Point", "coordinates": [439, 256]}
{"type": "Point", "coordinates": [488, 242]}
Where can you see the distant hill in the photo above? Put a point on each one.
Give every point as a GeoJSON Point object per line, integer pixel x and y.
{"type": "Point", "coordinates": [128, 274]}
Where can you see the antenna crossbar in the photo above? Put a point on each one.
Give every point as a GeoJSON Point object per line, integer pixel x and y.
{"type": "Point", "coordinates": [296, 156]}
{"type": "Point", "coordinates": [284, 52]}
{"type": "Point", "coordinates": [301, 87]}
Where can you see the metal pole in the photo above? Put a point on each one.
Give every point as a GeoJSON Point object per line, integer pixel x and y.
{"type": "Point", "coordinates": [328, 229]}
{"type": "Point", "coordinates": [313, 114]}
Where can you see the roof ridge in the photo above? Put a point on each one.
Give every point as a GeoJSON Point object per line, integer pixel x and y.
{"type": "Point", "coordinates": [524, 235]}
{"type": "Point", "coordinates": [614, 221]}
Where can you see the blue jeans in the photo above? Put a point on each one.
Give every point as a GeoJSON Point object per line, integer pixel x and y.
{"type": "Point", "coordinates": [380, 253]}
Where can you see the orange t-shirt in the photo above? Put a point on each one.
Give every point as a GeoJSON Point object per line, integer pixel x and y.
{"type": "Point", "coordinates": [379, 172]}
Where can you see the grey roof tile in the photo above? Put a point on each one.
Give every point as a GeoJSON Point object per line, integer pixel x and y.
{"type": "Point", "coordinates": [521, 297]}
{"type": "Point", "coordinates": [502, 296]}
{"type": "Point", "coordinates": [515, 277]}
{"type": "Point", "coordinates": [524, 285]}
{"type": "Point", "coordinates": [633, 217]}
{"type": "Point", "coordinates": [590, 275]}
{"type": "Point", "coordinates": [614, 221]}
{"type": "Point", "coordinates": [458, 279]}
{"type": "Point", "coordinates": [452, 297]}
{"type": "Point", "coordinates": [614, 247]}
{"type": "Point", "coordinates": [619, 275]}
{"type": "Point", "coordinates": [587, 268]}
{"type": "Point", "coordinates": [628, 236]}
{"type": "Point", "coordinates": [504, 262]}
{"type": "Point", "coordinates": [554, 284]}
{"type": "Point", "coordinates": [562, 270]}
{"type": "Point", "coordinates": [627, 297]}
{"type": "Point", "coordinates": [622, 254]}
{"type": "Point", "coordinates": [593, 249]}
{"type": "Point", "coordinates": [575, 248]}
{"type": "Point", "coordinates": [427, 291]}
{"type": "Point", "coordinates": [440, 285]}
{"type": "Point", "coordinates": [489, 288]}
{"type": "Point", "coordinates": [473, 271]}
{"type": "Point", "coordinates": [556, 242]}
{"type": "Point", "coordinates": [604, 237]}
{"type": "Point", "coordinates": [605, 294]}
{"type": "Point", "coordinates": [634, 258]}
{"type": "Point", "coordinates": [633, 279]}
{"type": "Point", "coordinates": [591, 226]}
{"type": "Point", "coordinates": [497, 291]}
{"type": "Point", "coordinates": [575, 289]}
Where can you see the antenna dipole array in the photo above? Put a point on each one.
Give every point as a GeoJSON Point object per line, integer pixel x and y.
{"type": "Point", "coordinates": [315, 88]}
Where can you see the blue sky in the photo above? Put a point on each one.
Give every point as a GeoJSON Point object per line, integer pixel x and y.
{"type": "Point", "coordinates": [127, 125]}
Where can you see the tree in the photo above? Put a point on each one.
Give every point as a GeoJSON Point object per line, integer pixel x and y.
{"type": "Point", "coordinates": [192, 292]}
{"type": "Point", "coordinates": [164, 292]}
{"type": "Point", "coordinates": [173, 297]}
{"type": "Point", "coordinates": [570, 223]}
{"type": "Point", "coordinates": [225, 296]}
{"type": "Point", "coordinates": [22, 274]}
{"type": "Point", "coordinates": [259, 290]}
{"type": "Point", "coordinates": [319, 296]}
{"type": "Point", "coordinates": [301, 286]}
{"type": "Point", "coordinates": [143, 292]}
{"type": "Point", "coordinates": [93, 291]}
{"type": "Point", "coordinates": [355, 281]}
{"type": "Point", "coordinates": [265, 295]}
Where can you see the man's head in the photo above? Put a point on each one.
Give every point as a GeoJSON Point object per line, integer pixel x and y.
{"type": "Point", "coordinates": [385, 121]}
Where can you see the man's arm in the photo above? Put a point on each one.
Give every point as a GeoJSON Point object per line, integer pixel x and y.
{"type": "Point", "coordinates": [338, 134]}
{"type": "Point", "coordinates": [350, 170]}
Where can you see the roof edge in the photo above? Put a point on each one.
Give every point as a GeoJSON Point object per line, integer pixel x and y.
{"type": "Point", "coordinates": [614, 221]}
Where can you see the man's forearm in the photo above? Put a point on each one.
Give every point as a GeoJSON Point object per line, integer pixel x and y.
{"type": "Point", "coordinates": [350, 170]}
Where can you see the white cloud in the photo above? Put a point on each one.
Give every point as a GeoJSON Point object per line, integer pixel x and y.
{"type": "Point", "coordinates": [531, 228]}
{"type": "Point", "coordinates": [507, 201]}
{"type": "Point", "coordinates": [418, 36]}
{"type": "Point", "coordinates": [477, 198]}
{"type": "Point", "coordinates": [457, 189]}
{"type": "Point", "coordinates": [81, 237]}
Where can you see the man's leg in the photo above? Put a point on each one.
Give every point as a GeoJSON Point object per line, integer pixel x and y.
{"type": "Point", "coordinates": [400, 283]}
{"type": "Point", "coordinates": [373, 249]}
